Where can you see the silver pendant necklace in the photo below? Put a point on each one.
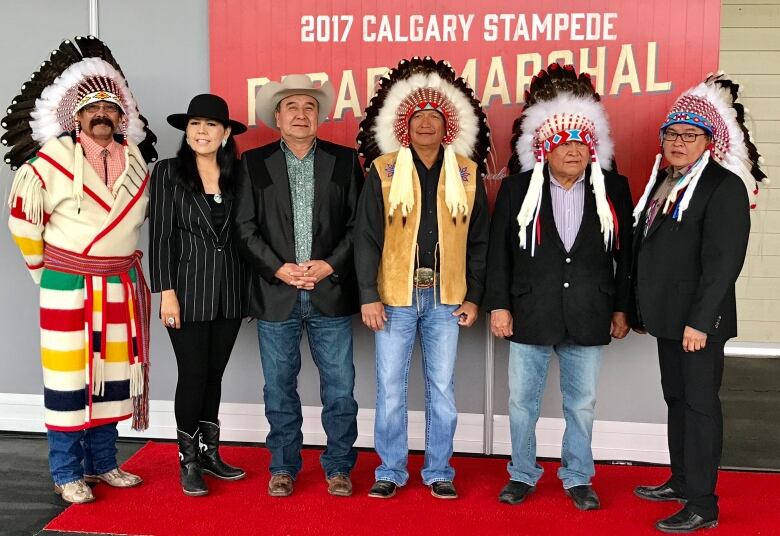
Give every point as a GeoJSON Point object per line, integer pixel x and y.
{"type": "Point", "coordinates": [218, 198]}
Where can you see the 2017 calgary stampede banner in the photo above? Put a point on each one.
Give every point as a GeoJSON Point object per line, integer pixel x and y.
{"type": "Point", "coordinates": [639, 54]}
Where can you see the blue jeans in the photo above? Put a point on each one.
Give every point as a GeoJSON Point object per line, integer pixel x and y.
{"type": "Point", "coordinates": [527, 377]}
{"type": "Point", "coordinates": [85, 452]}
{"type": "Point", "coordinates": [438, 331]}
{"type": "Point", "coordinates": [330, 341]}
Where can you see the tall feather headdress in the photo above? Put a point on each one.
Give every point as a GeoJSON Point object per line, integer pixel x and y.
{"type": "Point", "coordinates": [75, 75]}
{"type": "Point", "coordinates": [712, 106]}
{"type": "Point", "coordinates": [560, 106]}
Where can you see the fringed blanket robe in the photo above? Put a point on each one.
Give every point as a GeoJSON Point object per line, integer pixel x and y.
{"type": "Point", "coordinates": [81, 250]}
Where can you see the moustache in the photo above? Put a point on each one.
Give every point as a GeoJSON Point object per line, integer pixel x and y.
{"type": "Point", "coordinates": [101, 121]}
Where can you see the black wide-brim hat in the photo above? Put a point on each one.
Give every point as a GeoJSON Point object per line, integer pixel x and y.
{"type": "Point", "coordinates": [208, 106]}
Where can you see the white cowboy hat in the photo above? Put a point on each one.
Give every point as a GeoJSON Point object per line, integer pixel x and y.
{"type": "Point", "coordinates": [272, 93]}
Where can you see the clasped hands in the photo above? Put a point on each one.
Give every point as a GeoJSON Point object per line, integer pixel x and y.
{"type": "Point", "coordinates": [305, 275]}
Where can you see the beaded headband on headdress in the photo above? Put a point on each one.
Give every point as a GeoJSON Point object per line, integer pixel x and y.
{"type": "Point", "coordinates": [98, 96]}
{"type": "Point", "coordinates": [426, 98]}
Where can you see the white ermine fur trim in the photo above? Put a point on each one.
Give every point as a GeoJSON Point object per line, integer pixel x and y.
{"type": "Point", "coordinates": [454, 192]}
{"type": "Point", "coordinates": [401, 187]}
{"type": "Point", "coordinates": [536, 115]}
{"type": "Point", "coordinates": [45, 123]}
{"type": "Point", "coordinates": [78, 174]}
{"type": "Point", "coordinates": [468, 121]}
{"type": "Point", "coordinates": [642, 203]}
{"type": "Point", "coordinates": [531, 204]}
{"type": "Point", "coordinates": [98, 376]}
{"type": "Point", "coordinates": [691, 181]}
{"type": "Point", "coordinates": [602, 205]}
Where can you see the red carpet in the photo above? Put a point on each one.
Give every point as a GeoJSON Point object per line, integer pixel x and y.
{"type": "Point", "coordinates": [749, 503]}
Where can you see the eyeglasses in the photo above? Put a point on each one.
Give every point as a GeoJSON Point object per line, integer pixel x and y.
{"type": "Point", "coordinates": [107, 107]}
{"type": "Point", "coordinates": [687, 137]}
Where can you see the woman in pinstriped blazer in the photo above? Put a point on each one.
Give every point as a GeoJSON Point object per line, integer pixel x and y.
{"type": "Point", "coordinates": [196, 267]}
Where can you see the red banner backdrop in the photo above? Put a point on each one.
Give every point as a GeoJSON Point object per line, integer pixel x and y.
{"type": "Point", "coordinates": [641, 55]}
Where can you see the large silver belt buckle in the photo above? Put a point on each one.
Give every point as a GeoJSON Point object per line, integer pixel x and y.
{"type": "Point", "coordinates": [423, 278]}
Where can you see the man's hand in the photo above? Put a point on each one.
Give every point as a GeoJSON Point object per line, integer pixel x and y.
{"type": "Point", "coordinates": [373, 315]}
{"type": "Point", "coordinates": [620, 327]}
{"type": "Point", "coordinates": [501, 323]}
{"type": "Point", "coordinates": [313, 273]}
{"type": "Point", "coordinates": [290, 274]}
{"type": "Point", "coordinates": [693, 339]}
{"type": "Point", "coordinates": [467, 313]}
{"type": "Point", "coordinates": [169, 308]}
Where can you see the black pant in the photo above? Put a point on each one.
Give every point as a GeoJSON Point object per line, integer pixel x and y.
{"type": "Point", "coordinates": [690, 382]}
{"type": "Point", "coordinates": [202, 351]}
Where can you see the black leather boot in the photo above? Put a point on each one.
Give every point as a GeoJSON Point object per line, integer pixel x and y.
{"type": "Point", "coordinates": [210, 461]}
{"type": "Point", "coordinates": [191, 476]}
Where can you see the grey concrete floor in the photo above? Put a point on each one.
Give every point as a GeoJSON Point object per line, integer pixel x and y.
{"type": "Point", "coordinates": [750, 395]}
{"type": "Point", "coordinates": [751, 409]}
{"type": "Point", "coordinates": [27, 498]}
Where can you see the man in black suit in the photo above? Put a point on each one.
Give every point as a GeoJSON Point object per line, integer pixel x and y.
{"type": "Point", "coordinates": [295, 214]}
{"type": "Point", "coordinates": [559, 263]}
{"type": "Point", "coordinates": [692, 227]}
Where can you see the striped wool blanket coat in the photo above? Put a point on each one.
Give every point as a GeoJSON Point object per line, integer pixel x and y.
{"type": "Point", "coordinates": [89, 323]}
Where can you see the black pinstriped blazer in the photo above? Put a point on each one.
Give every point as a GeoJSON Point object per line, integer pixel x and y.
{"type": "Point", "coordinates": [187, 254]}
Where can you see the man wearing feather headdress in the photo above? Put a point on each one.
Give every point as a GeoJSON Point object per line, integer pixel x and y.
{"type": "Point", "coordinates": [559, 263]}
{"type": "Point", "coordinates": [77, 203]}
{"type": "Point", "coordinates": [420, 245]}
{"type": "Point", "coordinates": [691, 233]}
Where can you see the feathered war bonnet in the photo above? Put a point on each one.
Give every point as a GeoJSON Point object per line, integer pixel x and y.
{"type": "Point", "coordinates": [561, 107]}
{"type": "Point", "coordinates": [713, 107]}
{"type": "Point", "coordinates": [424, 84]}
{"type": "Point", "coordinates": [75, 75]}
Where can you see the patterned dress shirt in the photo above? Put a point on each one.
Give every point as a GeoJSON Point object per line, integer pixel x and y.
{"type": "Point", "coordinates": [301, 174]}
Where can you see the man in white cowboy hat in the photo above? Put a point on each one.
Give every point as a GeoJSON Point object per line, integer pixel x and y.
{"type": "Point", "coordinates": [420, 248]}
{"type": "Point", "coordinates": [78, 201]}
{"type": "Point", "coordinates": [295, 213]}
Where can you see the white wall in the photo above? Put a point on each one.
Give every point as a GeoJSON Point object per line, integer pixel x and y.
{"type": "Point", "coordinates": [750, 52]}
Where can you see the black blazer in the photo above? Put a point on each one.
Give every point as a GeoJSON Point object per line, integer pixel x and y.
{"type": "Point", "coordinates": [265, 234]}
{"type": "Point", "coordinates": [685, 272]}
{"type": "Point", "coordinates": [559, 296]}
{"type": "Point", "coordinates": [187, 254]}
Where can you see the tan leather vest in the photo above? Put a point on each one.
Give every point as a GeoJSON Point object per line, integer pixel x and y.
{"type": "Point", "coordinates": [396, 267]}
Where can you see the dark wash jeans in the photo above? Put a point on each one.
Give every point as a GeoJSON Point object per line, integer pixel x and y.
{"type": "Point", "coordinates": [84, 452]}
{"type": "Point", "coordinates": [330, 341]}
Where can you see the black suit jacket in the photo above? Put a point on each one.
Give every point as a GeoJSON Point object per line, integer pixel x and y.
{"type": "Point", "coordinates": [187, 254]}
{"type": "Point", "coordinates": [556, 295]}
{"type": "Point", "coordinates": [264, 228]}
{"type": "Point", "coordinates": [685, 272]}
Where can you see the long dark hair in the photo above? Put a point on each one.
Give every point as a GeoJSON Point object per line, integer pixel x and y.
{"type": "Point", "coordinates": [188, 177]}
